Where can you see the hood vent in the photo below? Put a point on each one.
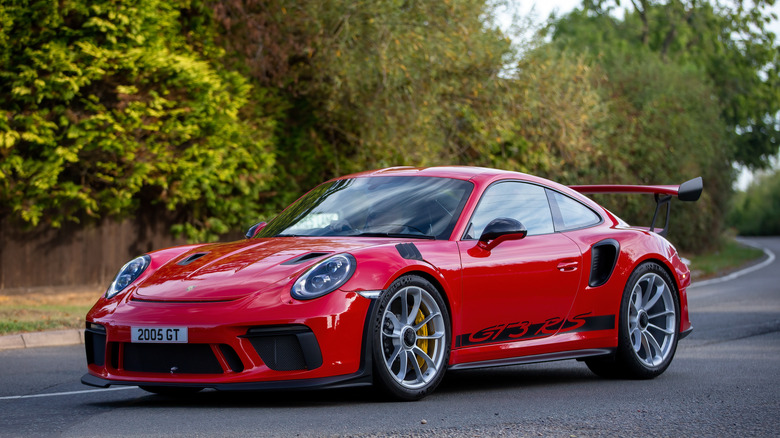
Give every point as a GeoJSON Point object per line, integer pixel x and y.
{"type": "Point", "coordinates": [191, 259]}
{"type": "Point", "coordinates": [305, 257]}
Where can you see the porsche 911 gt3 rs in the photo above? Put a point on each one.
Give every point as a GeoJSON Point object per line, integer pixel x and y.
{"type": "Point", "coordinates": [391, 277]}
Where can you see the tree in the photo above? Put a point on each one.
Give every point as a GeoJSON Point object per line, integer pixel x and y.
{"type": "Point", "coordinates": [756, 210]}
{"type": "Point", "coordinates": [665, 128]}
{"type": "Point", "coordinates": [559, 115]}
{"type": "Point", "coordinates": [373, 84]}
{"type": "Point", "coordinates": [729, 41]}
{"type": "Point", "coordinates": [107, 107]}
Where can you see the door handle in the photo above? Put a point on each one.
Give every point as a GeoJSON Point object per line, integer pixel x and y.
{"type": "Point", "coordinates": [568, 266]}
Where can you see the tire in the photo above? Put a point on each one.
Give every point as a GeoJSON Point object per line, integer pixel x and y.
{"type": "Point", "coordinates": [172, 391]}
{"type": "Point", "coordinates": [648, 327]}
{"type": "Point", "coordinates": [411, 338]}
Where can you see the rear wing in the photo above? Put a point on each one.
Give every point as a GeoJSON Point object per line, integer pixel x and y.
{"type": "Point", "coordinates": [688, 191]}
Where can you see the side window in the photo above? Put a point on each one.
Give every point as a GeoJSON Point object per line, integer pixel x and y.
{"type": "Point", "coordinates": [573, 214]}
{"type": "Point", "coordinates": [524, 202]}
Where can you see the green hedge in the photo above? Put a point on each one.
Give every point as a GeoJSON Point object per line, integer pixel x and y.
{"type": "Point", "coordinates": [106, 105]}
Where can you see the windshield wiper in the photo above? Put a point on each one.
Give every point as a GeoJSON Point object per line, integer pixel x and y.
{"type": "Point", "coordinates": [396, 235]}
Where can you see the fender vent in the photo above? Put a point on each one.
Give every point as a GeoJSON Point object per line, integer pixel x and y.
{"type": "Point", "coordinates": [409, 251]}
{"type": "Point", "coordinates": [191, 259]}
{"type": "Point", "coordinates": [603, 258]}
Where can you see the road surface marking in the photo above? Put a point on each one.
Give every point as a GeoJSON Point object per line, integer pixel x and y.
{"type": "Point", "coordinates": [733, 275]}
{"type": "Point", "coordinates": [54, 394]}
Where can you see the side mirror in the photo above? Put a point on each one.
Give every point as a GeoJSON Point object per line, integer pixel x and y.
{"type": "Point", "coordinates": [254, 229]}
{"type": "Point", "coordinates": [499, 230]}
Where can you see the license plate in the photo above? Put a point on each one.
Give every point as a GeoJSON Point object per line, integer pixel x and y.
{"type": "Point", "coordinates": [160, 335]}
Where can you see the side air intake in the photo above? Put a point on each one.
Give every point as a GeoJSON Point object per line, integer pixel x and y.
{"type": "Point", "coordinates": [604, 256]}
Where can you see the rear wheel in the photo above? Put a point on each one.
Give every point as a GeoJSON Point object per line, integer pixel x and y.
{"type": "Point", "coordinates": [411, 338]}
{"type": "Point", "coordinates": [648, 327]}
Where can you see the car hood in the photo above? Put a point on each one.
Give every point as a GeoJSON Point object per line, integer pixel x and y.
{"type": "Point", "coordinates": [228, 271]}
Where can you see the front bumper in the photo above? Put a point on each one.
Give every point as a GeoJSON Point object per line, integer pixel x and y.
{"type": "Point", "coordinates": [249, 344]}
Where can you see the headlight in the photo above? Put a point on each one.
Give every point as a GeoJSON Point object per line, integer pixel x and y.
{"type": "Point", "coordinates": [325, 277]}
{"type": "Point", "coordinates": [128, 274]}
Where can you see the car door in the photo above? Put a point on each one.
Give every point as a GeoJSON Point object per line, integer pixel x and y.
{"type": "Point", "coordinates": [520, 289]}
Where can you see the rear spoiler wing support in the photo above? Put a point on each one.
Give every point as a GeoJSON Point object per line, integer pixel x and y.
{"type": "Point", "coordinates": [660, 201]}
{"type": "Point", "coordinates": [688, 191]}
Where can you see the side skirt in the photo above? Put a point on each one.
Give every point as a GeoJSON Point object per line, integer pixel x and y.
{"type": "Point", "coordinates": [547, 357]}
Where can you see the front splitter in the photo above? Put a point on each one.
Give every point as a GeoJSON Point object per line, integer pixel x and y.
{"type": "Point", "coordinates": [352, 380]}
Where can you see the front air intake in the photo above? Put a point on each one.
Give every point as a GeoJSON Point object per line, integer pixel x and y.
{"type": "Point", "coordinates": [95, 344]}
{"type": "Point", "coordinates": [286, 348]}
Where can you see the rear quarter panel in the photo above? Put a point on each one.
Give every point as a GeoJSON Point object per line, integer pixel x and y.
{"type": "Point", "coordinates": [636, 247]}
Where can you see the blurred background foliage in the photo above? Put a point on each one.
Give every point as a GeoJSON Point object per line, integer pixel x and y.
{"type": "Point", "coordinates": [756, 211]}
{"type": "Point", "coordinates": [215, 114]}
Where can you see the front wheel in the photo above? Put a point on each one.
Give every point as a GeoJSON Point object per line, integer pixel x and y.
{"type": "Point", "coordinates": [411, 338]}
{"type": "Point", "coordinates": [649, 327]}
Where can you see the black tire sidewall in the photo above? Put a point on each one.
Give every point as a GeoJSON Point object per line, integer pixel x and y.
{"type": "Point", "coordinates": [387, 381]}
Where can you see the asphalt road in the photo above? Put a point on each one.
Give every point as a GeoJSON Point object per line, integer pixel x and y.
{"type": "Point", "coordinates": [724, 381]}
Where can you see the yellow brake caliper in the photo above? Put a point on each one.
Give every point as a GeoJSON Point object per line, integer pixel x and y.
{"type": "Point", "coordinates": [422, 343]}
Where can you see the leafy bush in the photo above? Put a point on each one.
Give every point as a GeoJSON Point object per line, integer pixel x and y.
{"type": "Point", "coordinates": [216, 113]}
{"type": "Point", "coordinates": [664, 126]}
{"type": "Point", "coordinates": [106, 105]}
{"type": "Point", "coordinates": [756, 211]}
{"type": "Point", "coordinates": [373, 84]}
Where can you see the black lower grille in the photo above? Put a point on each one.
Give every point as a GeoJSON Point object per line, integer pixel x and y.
{"type": "Point", "coordinates": [171, 358]}
{"type": "Point", "coordinates": [231, 357]}
{"type": "Point", "coordinates": [286, 348]}
{"type": "Point", "coordinates": [280, 353]}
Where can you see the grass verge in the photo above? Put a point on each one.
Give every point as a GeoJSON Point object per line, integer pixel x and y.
{"type": "Point", "coordinates": [731, 257]}
{"type": "Point", "coordinates": [45, 310]}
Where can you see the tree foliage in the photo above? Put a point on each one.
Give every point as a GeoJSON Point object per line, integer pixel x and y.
{"type": "Point", "coordinates": [756, 211]}
{"type": "Point", "coordinates": [372, 84]}
{"type": "Point", "coordinates": [729, 41]}
{"type": "Point", "coordinates": [106, 105]}
{"type": "Point", "coordinates": [664, 128]}
{"type": "Point", "coordinates": [558, 117]}
{"type": "Point", "coordinates": [629, 118]}
{"type": "Point", "coordinates": [223, 111]}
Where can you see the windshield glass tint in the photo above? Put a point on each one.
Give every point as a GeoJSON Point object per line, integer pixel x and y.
{"type": "Point", "coordinates": [393, 206]}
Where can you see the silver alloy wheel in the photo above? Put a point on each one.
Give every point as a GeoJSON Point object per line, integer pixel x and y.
{"type": "Point", "coordinates": [413, 337]}
{"type": "Point", "coordinates": [651, 320]}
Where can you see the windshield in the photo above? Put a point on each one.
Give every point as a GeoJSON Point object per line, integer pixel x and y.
{"type": "Point", "coordinates": [383, 206]}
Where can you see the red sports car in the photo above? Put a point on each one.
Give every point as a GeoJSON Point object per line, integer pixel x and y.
{"type": "Point", "coordinates": [394, 276]}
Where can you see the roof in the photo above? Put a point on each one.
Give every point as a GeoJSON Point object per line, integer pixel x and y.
{"type": "Point", "coordinates": [456, 172]}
